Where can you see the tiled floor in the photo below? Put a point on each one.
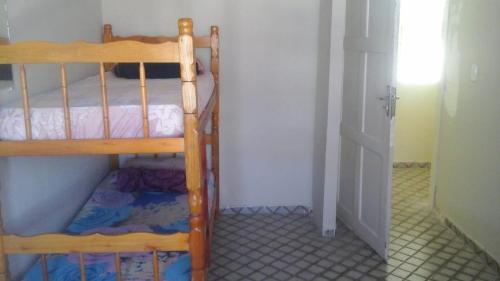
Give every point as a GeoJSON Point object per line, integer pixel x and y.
{"type": "Point", "coordinates": [287, 247]}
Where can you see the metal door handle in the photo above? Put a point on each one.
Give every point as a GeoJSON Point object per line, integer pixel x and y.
{"type": "Point", "coordinates": [392, 98]}
{"type": "Point", "coordinates": [390, 101]}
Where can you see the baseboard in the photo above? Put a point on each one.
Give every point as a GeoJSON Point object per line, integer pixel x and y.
{"type": "Point", "coordinates": [280, 210]}
{"type": "Point", "coordinates": [411, 165]}
{"type": "Point", "coordinates": [479, 250]}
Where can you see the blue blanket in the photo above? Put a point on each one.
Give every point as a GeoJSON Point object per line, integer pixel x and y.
{"type": "Point", "coordinates": [109, 211]}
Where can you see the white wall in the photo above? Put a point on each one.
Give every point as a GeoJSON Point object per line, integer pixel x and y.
{"type": "Point", "coordinates": [3, 19]}
{"type": "Point", "coordinates": [416, 120]}
{"type": "Point", "coordinates": [42, 194]}
{"type": "Point", "coordinates": [468, 190]}
{"type": "Point", "coordinates": [59, 21]}
{"type": "Point", "coordinates": [268, 76]}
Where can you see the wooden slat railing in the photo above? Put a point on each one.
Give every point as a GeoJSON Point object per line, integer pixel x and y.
{"type": "Point", "coordinates": [199, 41]}
{"type": "Point", "coordinates": [156, 267]}
{"type": "Point", "coordinates": [125, 49]}
{"type": "Point", "coordinates": [45, 269]}
{"type": "Point", "coordinates": [83, 275]}
{"type": "Point", "coordinates": [95, 243]}
{"type": "Point", "coordinates": [118, 267]}
{"type": "Point", "coordinates": [33, 52]}
{"type": "Point", "coordinates": [175, 49]}
{"type": "Point", "coordinates": [91, 147]}
{"type": "Point", "coordinates": [26, 101]}
{"type": "Point", "coordinates": [64, 92]}
{"type": "Point", "coordinates": [108, 36]}
{"type": "Point", "coordinates": [144, 100]}
{"type": "Point", "coordinates": [104, 98]}
{"type": "Point", "coordinates": [78, 52]}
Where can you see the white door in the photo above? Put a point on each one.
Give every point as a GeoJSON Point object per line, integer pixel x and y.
{"type": "Point", "coordinates": [367, 115]}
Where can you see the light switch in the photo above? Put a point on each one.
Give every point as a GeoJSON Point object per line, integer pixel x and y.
{"type": "Point", "coordinates": [474, 70]}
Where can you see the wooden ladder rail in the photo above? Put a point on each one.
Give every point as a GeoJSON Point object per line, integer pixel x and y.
{"type": "Point", "coordinates": [213, 138]}
{"type": "Point", "coordinates": [214, 66]}
{"type": "Point", "coordinates": [193, 140]}
{"type": "Point", "coordinates": [4, 269]}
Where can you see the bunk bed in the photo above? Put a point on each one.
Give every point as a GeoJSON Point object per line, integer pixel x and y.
{"type": "Point", "coordinates": [113, 251]}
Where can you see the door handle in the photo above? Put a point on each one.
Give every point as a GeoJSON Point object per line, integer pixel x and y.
{"type": "Point", "coordinates": [392, 98]}
{"type": "Point", "coordinates": [390, 101]}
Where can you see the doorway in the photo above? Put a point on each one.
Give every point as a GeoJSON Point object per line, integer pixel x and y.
{"type": "Point", "coordinates": [421, 49]}
{"type": "Point", "coordinates": [367, 127]}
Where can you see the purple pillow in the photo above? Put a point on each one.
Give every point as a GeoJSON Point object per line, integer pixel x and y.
{"type": "Point", "coordinates": [128, 179]}
{"type": "Point", "coordinates": [161, 180]}
{"type": "Point", "coordinates": [152, 180]}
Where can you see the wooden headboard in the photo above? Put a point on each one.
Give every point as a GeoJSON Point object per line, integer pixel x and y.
{"type": "Point", "coordinates": [199, 41]}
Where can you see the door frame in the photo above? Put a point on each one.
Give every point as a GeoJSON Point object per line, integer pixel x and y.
{"type": "Point", "coordinates": [439, 110]}
{"type": "Point", "coordinates": [332, 151]}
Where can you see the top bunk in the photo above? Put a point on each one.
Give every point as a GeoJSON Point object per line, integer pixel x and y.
{"type": "Point", "coordinates": [105, 114]}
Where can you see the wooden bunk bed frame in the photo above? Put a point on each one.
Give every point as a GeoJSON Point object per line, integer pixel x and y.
{"type": "Point", "coordinates": [133, 49]}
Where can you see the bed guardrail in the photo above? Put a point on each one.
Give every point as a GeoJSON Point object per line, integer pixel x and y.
{"type": "Point", "coordinates": [125, 49]}
{"type": "Point", "coordinates": [142, 49]}
{"type": "Point", "coordinates": [96, 243]}
{"type": "Point", "coordinates": [82, 52]}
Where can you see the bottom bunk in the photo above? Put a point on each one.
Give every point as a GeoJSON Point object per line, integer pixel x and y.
{"type": "Point", "coordinates": [143, 197]}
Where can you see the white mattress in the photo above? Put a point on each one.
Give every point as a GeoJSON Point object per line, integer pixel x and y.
{"type": "Point", "coordinates": [125, 111]}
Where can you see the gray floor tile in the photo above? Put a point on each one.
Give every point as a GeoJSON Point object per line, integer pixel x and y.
{"type": "Point", "coordinates": [277, 246]}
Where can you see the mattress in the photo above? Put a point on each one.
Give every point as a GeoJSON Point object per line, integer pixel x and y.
{"type": "Point", "coordinates": [109, 211]}
{"type": "Point", "coordinates": [125, 110]}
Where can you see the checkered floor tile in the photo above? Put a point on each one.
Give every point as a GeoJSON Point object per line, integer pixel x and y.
{"type": "Point", "coordinates": [288, 247]}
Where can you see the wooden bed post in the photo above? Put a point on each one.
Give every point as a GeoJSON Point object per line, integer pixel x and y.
{"type": "Point", "coordinates": [107, 37]}
{"type": "Point", "coordinates": [214, 66]}
{"type": "Point", "coordinates": [4, 270]}
{"type": "Point", "coordinates": [107, 33]}
{"type": "Point", "coordinates": [193, 142]}
{"type": "Point", "coordinates": [4, 266]}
